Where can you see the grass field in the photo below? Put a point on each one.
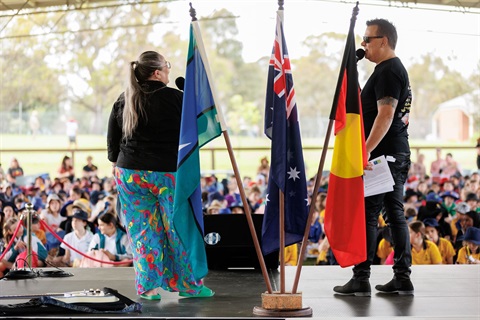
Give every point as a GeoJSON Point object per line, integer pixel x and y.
{"type": "Point", "coordinates": [35, 163]}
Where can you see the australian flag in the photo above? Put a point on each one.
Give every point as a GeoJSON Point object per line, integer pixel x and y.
{"type": "Point", "coordinates": [287, 169]}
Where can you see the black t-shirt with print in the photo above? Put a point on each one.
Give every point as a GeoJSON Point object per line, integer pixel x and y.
{"type": "Point", "coordinates": [390, 79]}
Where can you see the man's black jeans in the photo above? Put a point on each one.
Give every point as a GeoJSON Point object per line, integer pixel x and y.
{"type": "Point", "coordinates": [395, 218]}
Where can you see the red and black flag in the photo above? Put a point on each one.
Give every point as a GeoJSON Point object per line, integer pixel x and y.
{"type": "Point", "coordinates": [345, 207]}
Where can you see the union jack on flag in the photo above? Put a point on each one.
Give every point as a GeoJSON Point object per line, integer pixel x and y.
{"type": "Point", "coordinates": [287, 169]}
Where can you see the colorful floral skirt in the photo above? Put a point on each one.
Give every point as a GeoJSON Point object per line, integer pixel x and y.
{"type": "Point", "coordinates": [159, 258]}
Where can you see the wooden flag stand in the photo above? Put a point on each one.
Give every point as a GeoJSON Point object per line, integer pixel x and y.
{"type": "Point", "coordinates": [282, 303]}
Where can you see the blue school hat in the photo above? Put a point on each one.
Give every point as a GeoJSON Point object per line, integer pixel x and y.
{"type": "Point", "coordinates": [433, 197]}
{"type": "Point", "coordinates": [451, 194]}
{"type": "Point", "coordinates": [473, 235]}
{"type": "Point", "coordinates": [430, 222]}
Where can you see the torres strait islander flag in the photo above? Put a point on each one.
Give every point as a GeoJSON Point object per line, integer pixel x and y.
{"type": "Point", "coordinates": [201, 122]}
{"type": "Point", "coordinates": [345, 207]}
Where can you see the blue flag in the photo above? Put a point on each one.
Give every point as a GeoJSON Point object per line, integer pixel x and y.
{"type": "Point", "coordinates": [200, 124]}
{"type": "Point", "coordinates": [287, 169]}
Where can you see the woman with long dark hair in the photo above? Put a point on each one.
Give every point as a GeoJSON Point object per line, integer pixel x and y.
{"type": "Point", "coordinates": [143, 138]}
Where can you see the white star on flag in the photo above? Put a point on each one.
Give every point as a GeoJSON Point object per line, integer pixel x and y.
{"type": "Point", "coordinates": [293, 174]}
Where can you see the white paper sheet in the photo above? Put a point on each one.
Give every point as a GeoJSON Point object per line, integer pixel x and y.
{"type": "Point", "coordinates": [379, 180]}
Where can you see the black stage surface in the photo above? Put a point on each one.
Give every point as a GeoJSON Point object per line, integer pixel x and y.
{"type": "Point", "coordinates": [441, 292]}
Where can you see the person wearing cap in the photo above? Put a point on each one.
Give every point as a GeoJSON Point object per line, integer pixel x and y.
{"type": "Point", "coordinates": [237, 208]}
{"type": "Point", "coordinates": [434, 208]}
{"type": "Point", "coordinates": [411, 199]}
{"type": "Point", "coordinates": [446, 248]}
{"type": "Point", "coordinates": [7, 192]}
{"type": "Point", "coordinates": [51, 214]}
{"type": "Point", "coordinates": [214, 207]}
{"type": "Point", "coordinates": [472, 200]}
{"type": "Point", "coordinates": [461, 209]}
{"type": "Point", "coordinates": [447, 185]}
{"type": "Point", "coordinates": [84, 205]}
{"type": "Point", "coordinates": [52, 217]}
{"type": "Point", "coordinates": [449, 198]}
{"type": "Point", "coordinates": [423, 251]}
{"type": "Point", "coordinates": [9, 210]}
{"type": "Point", "coordinates": [470, 252]}
{"type": "Point", "coordinates": [79, 238]}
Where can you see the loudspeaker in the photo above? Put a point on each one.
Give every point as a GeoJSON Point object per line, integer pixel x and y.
{"type": "Point", "coordinates": [229, 242]}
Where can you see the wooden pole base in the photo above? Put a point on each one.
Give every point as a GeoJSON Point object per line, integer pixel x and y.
{"type": "Point", "coordinates": [282, 305]}
{"type": "Point", "coordinates": [262, 312]}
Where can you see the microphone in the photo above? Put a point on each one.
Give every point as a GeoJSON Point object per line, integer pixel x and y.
{"type": "Point", "coordinates": [180, 83]}
{"type": "Point", "coordinates": [360, 53]}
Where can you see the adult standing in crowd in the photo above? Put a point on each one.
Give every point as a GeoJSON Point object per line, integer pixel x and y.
{"type": "Point", "coordinates": [437, 166]}
{"type": "Point", "coordinates": [14, 171]}
{"type": "Point", "coordinates": [386, 100]}
{"type": "Point", "coordinates": [143, 137]}
{"type": "Point", "coordinates": [72, 128]}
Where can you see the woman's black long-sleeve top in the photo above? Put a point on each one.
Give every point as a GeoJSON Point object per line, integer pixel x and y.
{"type": "Point", "coordinates": [154, 144]}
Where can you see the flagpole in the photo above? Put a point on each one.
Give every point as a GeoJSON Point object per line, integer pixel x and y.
{"type": "Point", "coordinates": [282, 239]}
{"type": "Point", "coordinates": [226, 136]}
{"type": "Point", "coordinates": [315, 190]}
{"type": "Point", "coordinates": [248, 214]}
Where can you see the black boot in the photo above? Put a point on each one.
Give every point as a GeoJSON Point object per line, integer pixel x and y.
{"type": "Point", "coordinates": [359, 288]}
{"type": "Point", "coordinates": [402, 287]}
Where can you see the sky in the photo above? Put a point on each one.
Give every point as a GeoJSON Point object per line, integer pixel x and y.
{"type": "Point", "coordinates": [454, 36]}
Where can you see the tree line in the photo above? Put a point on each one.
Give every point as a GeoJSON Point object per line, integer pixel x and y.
{"type": "Point", "coordinates": [80, 69]}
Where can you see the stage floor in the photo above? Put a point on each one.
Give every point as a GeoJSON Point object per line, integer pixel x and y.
{"type": "Point", "coordinates": [441, 292]}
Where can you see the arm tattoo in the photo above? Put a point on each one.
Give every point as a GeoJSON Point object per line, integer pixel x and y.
{"type": "Point", "coordinates": [388, 101]}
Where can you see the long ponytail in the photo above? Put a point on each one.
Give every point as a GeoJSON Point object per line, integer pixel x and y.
{"type": "Point", "coordinates": [135, 97]}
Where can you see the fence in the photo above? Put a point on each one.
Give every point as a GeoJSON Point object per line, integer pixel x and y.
{"type": "Point", "coordinates": [213, 160]}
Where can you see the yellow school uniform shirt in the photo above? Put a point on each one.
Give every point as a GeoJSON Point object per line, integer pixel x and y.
{"type": "Point", "coordinates": [462, 256]}
{"type": "Point", "coordinates": [291, 255]}
{"type": "Point", "coordinates": [384, 249]}
{"type": "Point", "coordinates": [453, 226]}
{"type": "Point", "coordinates": [321, 216]}
{"type": "Point", "coordinates": [430, 255]}
{"type": "Point", "coordinates": [446, 249]}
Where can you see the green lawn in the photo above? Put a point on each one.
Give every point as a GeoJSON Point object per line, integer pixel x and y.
{"type": "Point", "coordinates": [35, 163]}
